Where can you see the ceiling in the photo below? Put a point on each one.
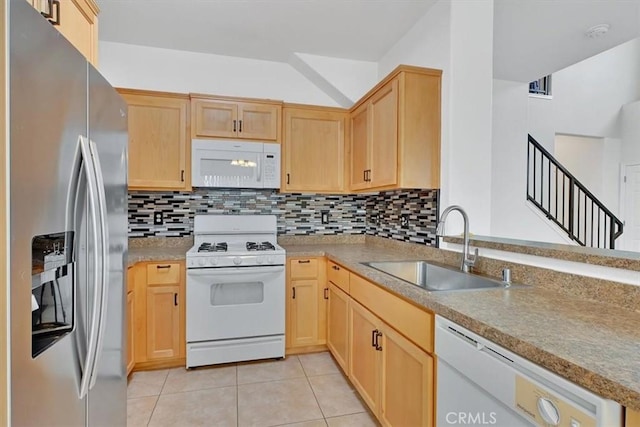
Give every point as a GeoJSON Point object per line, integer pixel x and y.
{"type": "Point", "coordinates": [532, 38]}
{"type": "Point", "coordinates": [263, 29]}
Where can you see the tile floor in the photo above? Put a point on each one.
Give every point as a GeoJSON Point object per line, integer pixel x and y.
{"type": "Point", "coordinates": [307, 390]}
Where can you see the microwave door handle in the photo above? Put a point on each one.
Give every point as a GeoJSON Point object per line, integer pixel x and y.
{"type": "Point", "coordinates": [259, 166]}
{"type": "Point", "coordinates": [87, 167]}
{"type": "Point", "coordinates": [104, 253]}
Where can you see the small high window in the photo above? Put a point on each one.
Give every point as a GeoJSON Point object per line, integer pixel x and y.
{"type": "Point", "coordinates": [541, 86]}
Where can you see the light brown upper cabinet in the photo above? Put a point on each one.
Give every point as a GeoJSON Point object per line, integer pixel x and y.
{"type": "Point", "coordinates": [159, 156]}
{"type": "Point", "coordinates": [313, 148]}
{"type": "Point", "coordinates": [395, 132]}
{"type": "Point", "coordinates": [77, 21]}
{"type": "Point", "coordinates": [235, 118]}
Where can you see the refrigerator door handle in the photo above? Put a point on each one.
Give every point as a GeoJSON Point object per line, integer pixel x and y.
{"type": "Point", "coordinates": [104, 253]}
{"type": "Point", "coordinates": [87, 165]}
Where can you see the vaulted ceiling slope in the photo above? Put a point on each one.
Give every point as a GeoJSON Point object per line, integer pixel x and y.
{"type": "Point", "coordinates": [263, 29]}
{"type": "Point", "coordinates": [532, 38]}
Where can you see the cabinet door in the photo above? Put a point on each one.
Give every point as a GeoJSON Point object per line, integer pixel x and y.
{"type": "Point", "coordinates": [632, 418]}
{"type": "Point", "coordinates": [157, 141]}
{"type": "Point", "coordinates": [359, 148]}
{"type": "Point", "coordinates": [407, 397]}
{"type": "Point", "coordinates": [130, 332]}
{"type": "Point", "coordinates": [163, 322]}
{"type": "Point", "coordinates": [364, 369]}
{"type": "Point", "coordinates": [79, 25]}
{"type": "Point", "coordinates": [258, 121]}
{"type": "Point", "coordinates": [384, 136]}
{"type": "Point", "coordinates": [214, 119]}
{"type": "Point", "coordinates": [303, 313]}
{"type": "Point", "coordinates": [338, 326]}
{"type": "Point", "coordinates": [314, 150]}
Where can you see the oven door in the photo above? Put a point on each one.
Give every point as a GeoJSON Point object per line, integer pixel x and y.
{"type": "Point", "coordinates": [235, 302]}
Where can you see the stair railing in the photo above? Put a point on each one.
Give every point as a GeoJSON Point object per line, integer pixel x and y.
{"type": "Point", "coordinates": [567, 202]}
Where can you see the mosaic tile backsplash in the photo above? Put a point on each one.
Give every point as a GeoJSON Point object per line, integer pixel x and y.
{"type": "Point", "coordinates": [298, 214]}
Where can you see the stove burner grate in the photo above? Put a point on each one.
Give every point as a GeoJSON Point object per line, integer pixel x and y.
{"type": "Point", "coordinates": [213, 247]}
{"type": "Point", "coordinates": [262, 246]}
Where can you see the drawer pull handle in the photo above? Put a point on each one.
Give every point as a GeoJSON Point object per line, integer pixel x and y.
{"type": "Point", "coordinates": [335, 267]}
{"type": "Point", "coordinates": [326, 293]}
{"type": "Point", "coordinates": [374, 336]}
{"type": "Point", "coordinates": [304, 261]}
{"type": "Point", "coordinates": [163, 266]}
{"type": "Point", "coordinates": [378, 335]}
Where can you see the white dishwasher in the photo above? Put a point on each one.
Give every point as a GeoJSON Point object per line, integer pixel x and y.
{"type": "Point", "coordinates": [481, 384]}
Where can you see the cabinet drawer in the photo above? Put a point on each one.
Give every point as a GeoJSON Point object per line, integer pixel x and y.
{"type": "Point", "coordinates": [409, 320]}
{"type": "Point", "coordinates": [304, 268]}
{"type": "Point", "coordinates": [338, 275]}
{"type": "Point", "coordinates": [163, 273]}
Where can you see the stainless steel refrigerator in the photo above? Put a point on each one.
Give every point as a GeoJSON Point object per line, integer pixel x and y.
{"type": "Point", "coordinates": [68, 216]}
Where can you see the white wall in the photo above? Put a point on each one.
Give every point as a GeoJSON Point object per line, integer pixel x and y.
{"type": "Point", "coordinates": [169, 70]}
{"type": "Point", "coordinates": [631, 133]}
{"type": "Point", "coordinates": [588, 95]}
{"type": "Point", "coordinates": [511, 215]}
{"type": "Point", "coordinates": [352, 78]}
{"type": "Point", "coordinates": [595, 162]}
{"type": "Point", "coordinates": [457, 37]}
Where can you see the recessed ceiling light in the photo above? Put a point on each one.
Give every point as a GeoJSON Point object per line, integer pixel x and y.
{"type": "Point", "coordinates": [597, 31]}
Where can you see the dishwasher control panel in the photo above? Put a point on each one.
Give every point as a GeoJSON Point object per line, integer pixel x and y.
{"type": "Point", "coordinates": [547, 409]}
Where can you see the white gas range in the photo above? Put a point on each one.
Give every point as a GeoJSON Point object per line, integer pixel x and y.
{"type": "Point", "coordinates": [235, 290]}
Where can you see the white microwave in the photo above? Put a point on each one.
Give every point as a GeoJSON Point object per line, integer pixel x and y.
{"type": "Point", "coordinates": [232, 164]}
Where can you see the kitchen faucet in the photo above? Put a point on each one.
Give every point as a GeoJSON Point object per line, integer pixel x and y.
{"type": "Point", "coordinates": [468, 260]}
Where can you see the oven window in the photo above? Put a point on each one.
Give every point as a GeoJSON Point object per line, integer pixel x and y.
{"type": "Point", "coordinates": [237, 293]}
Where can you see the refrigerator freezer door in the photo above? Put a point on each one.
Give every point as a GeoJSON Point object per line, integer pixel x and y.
{"type": "Point", "coordinates": [108, 131]}
{"type": "Point", "coordinates": [48, 111]}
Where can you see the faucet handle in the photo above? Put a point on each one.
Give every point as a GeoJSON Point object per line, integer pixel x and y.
{"type": "Point", "coordinates": [473, 257]}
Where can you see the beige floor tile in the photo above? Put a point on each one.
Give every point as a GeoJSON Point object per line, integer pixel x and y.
{"type": "Point", "coordinates": [335, 395]}
{"type": "Point", "coordinates": [318, 364]}
{"type": "Point", "coordinates": [146, 383]}
{"type": "Point", "coordinates": [314, 423]}
{"type": "Point", "coordinates": [139, 410]}
{"type": "Point", "coordinates": [211, 407]}
{"type": "Point", "coordinates": [273, 370]}
{"type": "Point", "coordinates": [276, 402]}
{"type": "Point", "coordinates": [181, 380]}
{"type": "Point", "coordinates": [364, 419]}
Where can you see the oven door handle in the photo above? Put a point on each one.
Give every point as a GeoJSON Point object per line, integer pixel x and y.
{"type": "Point", "coordinates": [234, 271]}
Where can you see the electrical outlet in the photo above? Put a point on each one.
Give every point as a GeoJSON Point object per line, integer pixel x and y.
{"type": "Point", "coordinates": [325, 217]}
{"type": "Point", "coordinates": [404, 221]}
{"type": "Point", "coordinates": [158, 218]}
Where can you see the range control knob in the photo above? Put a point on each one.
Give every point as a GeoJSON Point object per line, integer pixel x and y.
{"type": "Point", "coordinates": [237, 260]}
{"type": "Point", "coordinates": [213, 261]}
{"type": "Point", "coordinates": [202, 262]}
{"type": "Point", "coordinates": [269, 260]}
{"type": "Point", "coordinates": [548, 411]}
{"type": "Point", "coordinates": [259, 260]}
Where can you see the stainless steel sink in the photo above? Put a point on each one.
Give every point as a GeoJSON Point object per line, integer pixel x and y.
{"type": "Point", "coordinates": [434, 277]}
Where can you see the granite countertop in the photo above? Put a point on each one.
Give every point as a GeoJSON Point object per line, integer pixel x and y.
{"type": "Point", "coordinates": [158, 249]}
{"type": "Point", "coordinates": [593, 344]}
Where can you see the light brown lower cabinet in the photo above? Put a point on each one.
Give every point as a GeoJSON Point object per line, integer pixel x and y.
{"type": "Point", "coordinates": [130, 332]}
{"type": "Point", "coordinates": [393, 376]}
{"type": "Point", "coordinates": [158, 312]}
{"type": "Point", "coordinates": [306, 308]}
{"type": "Point", "coordinates": [163, 322]}
{"type": "Point", "coordinates": [632, 418]}
{"type": "Point", "coordinates": [338, 326]}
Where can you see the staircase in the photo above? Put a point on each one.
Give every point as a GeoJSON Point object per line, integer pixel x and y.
{"type": "Point", "coordinates": [567, 202]}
